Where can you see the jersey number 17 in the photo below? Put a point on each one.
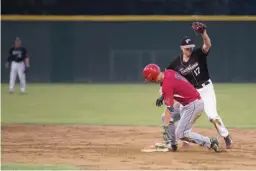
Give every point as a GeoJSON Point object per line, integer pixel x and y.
{"type": "Point", "coordinates": [197, 71]}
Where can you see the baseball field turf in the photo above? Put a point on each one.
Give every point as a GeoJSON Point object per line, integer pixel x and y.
{"type": "Point", "coordinates": [91, 126]}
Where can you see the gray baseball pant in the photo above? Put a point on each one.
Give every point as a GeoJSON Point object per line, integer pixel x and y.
{"type": "Point", "coordinates": [188, 116]}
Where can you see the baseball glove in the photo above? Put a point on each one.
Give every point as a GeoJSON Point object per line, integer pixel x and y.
{"type": "Point", "coordinates": [199, 27]}
{"type": "Point", "coordinates": [26, 70]}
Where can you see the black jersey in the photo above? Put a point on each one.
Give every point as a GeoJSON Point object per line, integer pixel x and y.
{"type": "Point", "coordinates": [195, 70]}
{"type": "Point", "coordinates": [17, 54]}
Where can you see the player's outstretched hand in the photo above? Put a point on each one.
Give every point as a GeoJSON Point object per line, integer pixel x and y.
{"type": "Point", "coordinates": [159, 101]}
{"type": "Point", "coordinates": [199, 27]}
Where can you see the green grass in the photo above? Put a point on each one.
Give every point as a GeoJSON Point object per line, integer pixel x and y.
{"type": "Point", "coordinates": [36, 167]}
{"type": "Point", "coordinates": [119, 104]}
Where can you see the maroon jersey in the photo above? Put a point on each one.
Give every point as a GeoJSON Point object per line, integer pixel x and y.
{"type": "Point", "coordinates": [177, 87]}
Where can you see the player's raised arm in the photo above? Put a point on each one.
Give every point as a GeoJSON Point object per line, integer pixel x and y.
{"type": "Point", "coordinates": [207, 42]}
{"type": "Point", "coordinates": [201, 29]}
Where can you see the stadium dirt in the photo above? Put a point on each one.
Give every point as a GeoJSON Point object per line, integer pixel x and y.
{"type": "Point", "coordinates": [114, 147]}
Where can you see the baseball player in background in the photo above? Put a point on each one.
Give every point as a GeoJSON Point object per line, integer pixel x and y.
{"type": "Point", "coordinates": [19, 61]}
{"type": "Point", "coordinates": [192, 64]}
{"type": "Point", "coordinates": [176, 87]}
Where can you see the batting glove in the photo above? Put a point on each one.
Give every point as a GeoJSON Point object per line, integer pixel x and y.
{"type": "Point", "coordinates": [159, 101]}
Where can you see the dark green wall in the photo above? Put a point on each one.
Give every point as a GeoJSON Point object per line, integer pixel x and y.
{"type": "Point", "coordinates": [117, 52]}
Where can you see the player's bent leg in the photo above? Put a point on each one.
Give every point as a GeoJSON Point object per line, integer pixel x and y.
{"type": "Point", "coordinates": [190, 113]}
{"type": "Point", "coordinates": [210, 107]}
{"type": "Point", "coordinates": [196, 138]}
{"type": "Point", "coordinates": [183, 131]}
{"type": "Point", "coordinates": [215, 119]}
{"type": "Point", "coordinates": [220, 127]}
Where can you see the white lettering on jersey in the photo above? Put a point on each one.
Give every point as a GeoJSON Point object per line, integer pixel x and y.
{"type": "Point", "coordinates": [189, 68]}
{"type": "Point", "coordinates": [18, 53]}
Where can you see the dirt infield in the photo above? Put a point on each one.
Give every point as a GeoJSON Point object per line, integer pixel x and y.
{"type": "Point", "coordinates": [113, 147]}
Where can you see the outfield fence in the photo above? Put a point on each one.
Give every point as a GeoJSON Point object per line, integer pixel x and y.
{"type": "Point", "coordinates": [115, 48]}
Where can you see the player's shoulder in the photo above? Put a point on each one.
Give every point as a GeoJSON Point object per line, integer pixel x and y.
{"type": "Point", "coordinates": [169, 76]}
{"type": "Point", "coordinates": [169, 73]}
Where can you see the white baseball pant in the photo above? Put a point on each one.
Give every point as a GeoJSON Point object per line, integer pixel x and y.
{"type": "Point", "coordinates": [210, 107]}
{"type": "Point", "coordinates": [17, 68]}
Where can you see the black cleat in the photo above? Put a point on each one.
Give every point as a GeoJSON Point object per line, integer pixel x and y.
{"type": "Point", "coordinates": [228, 141]}
{"type": "Point", "coordinates": [174, 148]}
{"type": "Point", "coordinates": [215, 145]}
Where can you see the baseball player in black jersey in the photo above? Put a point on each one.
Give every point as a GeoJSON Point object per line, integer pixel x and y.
{"type": "Point", "coordinates": [19, 61]}
{"type": "Point", "coordinates": [192, 64]}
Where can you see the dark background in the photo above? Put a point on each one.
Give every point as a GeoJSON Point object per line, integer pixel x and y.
{"type": "Point", "coordinates": [118, 51]}
{"type": "Point", "coordinates": [135, 7]}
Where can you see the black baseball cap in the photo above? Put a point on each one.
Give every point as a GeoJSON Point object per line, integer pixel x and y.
{"type": "Point", "coordinates": [187, 42]}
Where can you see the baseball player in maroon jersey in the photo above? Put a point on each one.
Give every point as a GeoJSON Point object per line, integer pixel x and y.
{"type": "Point", "coordinates": [176, 87]}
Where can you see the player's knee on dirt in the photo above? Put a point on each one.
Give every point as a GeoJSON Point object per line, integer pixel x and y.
{"type": "Point", "coordinates": [184, 135]}
{"type": "Point", "coordinates": [179, 133]}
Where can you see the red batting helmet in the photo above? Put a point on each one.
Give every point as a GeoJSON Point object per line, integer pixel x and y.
{"type": "Point", "coordinates": [150, 72]}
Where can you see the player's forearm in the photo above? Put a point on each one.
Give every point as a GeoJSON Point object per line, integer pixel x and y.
{"type": "Point", "coordinates": [167, 115]}
{"type": "Point", "coordinates": [206, 40]}
{"type": "Point", "coordinates": [27, 62]}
